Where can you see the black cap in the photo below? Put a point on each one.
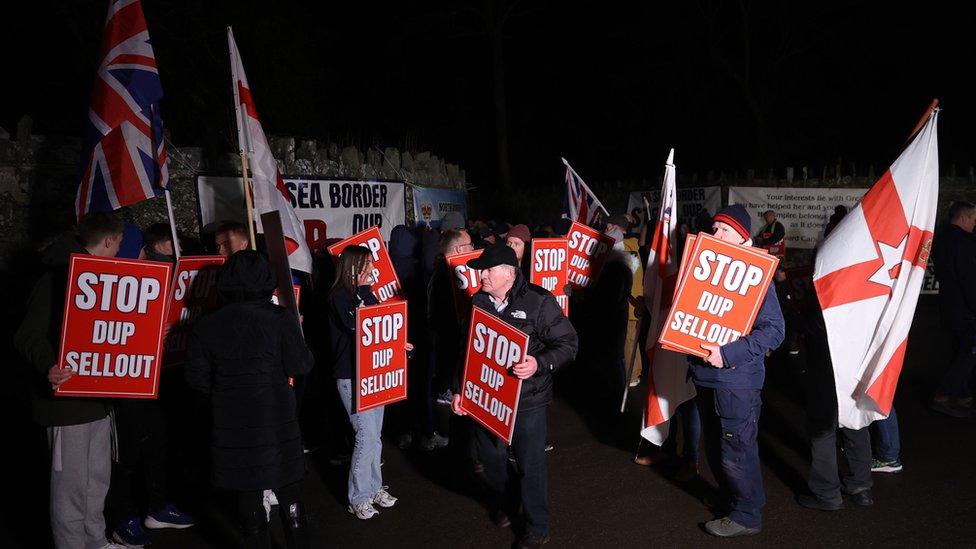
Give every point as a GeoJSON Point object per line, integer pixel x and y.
{"type": "Point", "coordinates": [495, 254]}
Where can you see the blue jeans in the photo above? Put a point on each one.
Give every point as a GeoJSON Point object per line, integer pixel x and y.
{"type": "Point", "coordinates": [365, 478]}
{"type": "Point", "coordinates": [888, 444]}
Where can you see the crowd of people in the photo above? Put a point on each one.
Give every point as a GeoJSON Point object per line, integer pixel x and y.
{"type": "Point", "coordinates": [258, 381]}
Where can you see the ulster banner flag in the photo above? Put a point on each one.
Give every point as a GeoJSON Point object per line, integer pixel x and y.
{"type": "Point", "coordinates": [868, 275]}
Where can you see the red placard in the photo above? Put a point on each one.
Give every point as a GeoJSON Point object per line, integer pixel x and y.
{"type": "Point", "coordinates": [721, 289]}
{"type": "Point", "coordinates": [112, 333]}
{"type": "Point", "coordinates": [588, 250]}
{"type": "Point", "coordinates": [298, 295]}
{"type": "Point", "coordinates": [489, 392]}
{"type": "Point", "coordinates": [465, 280]}
{"type": "Point", "coordinates": [550, 259]}
{"type": "Point", "coordinates": [381, 355]}
{"type": "Point", "coordinates": [194, 292]}
{"type": "Point", "coordinates": [385, 285]}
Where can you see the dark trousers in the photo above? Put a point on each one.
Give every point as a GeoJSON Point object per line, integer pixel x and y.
{"type": "Point", "coordinates": [730, 425]}
{"type": "Point", "coordinates": [250, 504]}
{"type": "Point", "coordinates": [825, 481]}
{"type": "Point", "coordinates": [141, 431]}
{"type": "Point", "coordinates": [957, 379]}
{"type": "Point", "coordinates": [529, 447]}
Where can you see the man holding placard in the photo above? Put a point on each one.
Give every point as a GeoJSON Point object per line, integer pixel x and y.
{"type": "Point", "coordinates": [729, 382]}
{"type": "Point", "coordinates": [79, 430]}
{"type": "Point", "coordinates": [552, 342]}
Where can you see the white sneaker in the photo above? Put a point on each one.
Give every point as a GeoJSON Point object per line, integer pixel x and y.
{"type": "Point", "coordinates": [364, 510]}
{"type": "Point", "coordinates": [113, 545]}
{"type": "Point", "coordinates": [384, 499]}
{"type": "Point", "coordinates": [435, 441]}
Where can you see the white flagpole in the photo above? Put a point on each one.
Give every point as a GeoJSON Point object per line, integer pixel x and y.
{"type": "Point", "coordinates": [169, 209]}
{"type": "Point", "coordinates": [172, 224]}
{"type": "Point", "coordinates": [243, 138]}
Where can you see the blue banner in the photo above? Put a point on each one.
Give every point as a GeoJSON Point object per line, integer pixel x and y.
{"type": "Point", "coordinates": [431, 205]}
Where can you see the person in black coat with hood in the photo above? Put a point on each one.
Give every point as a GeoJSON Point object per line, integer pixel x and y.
{"type": "Point", "coordinates": [241, 356]}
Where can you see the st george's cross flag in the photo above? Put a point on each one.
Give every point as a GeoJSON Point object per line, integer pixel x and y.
{"type": "Point", "coordinates": [667, 383]}
{"type": "Point", "coordinates": [267, 186]}
{"type": "Point", "coordinates": [868, 274]}
{"type": "Point", "coordinates": [123, 157]}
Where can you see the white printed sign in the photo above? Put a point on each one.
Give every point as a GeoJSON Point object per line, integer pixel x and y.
{"type": "Point", "coordinates": [804, 212]}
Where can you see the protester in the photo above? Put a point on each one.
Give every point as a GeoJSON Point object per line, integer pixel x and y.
{"type": "Point", "coordinates": [78, 429]}
{"type": "Point", "coordinates": [240, 356]}
{"type": "Point", "coordinates": [231, 237]}
{"type": "Point", "coordinates": [443, 318]}
{"type": "Point", "coordinates": [632, 345]}
{"type": "Point", "coordinates": [519, 238]}
{"type": "Point", "coordinates": [840, 211]}
{"type": "Point", "coordinates": [772, 236]}
{"type": "Point", "coordinates": [351, 291]}
{"type": "Point", "coordinates": [552, 343]}
{"type": "Point", "coordinates": [140, 428]}
{"type": "Point", "coordinates": [404, 248]}
{"type": "Point", "coordinates": [887, 447]}
{"type": "Point", "coordinates": [729, 385]}
{"type": "Point", "coordinates": [825, 481]}
{"type": "Point", "coordinates": [954, 256]}
{"type": "Point", "coordinates": [607, 306]}
{"type": "Point", "coordinates": [159, 243]}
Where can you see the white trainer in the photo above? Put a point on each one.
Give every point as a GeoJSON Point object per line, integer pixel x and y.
{"type": "Point", "coordinates": [364, 510]}
{"type": "Point", "coordinates": [384, 499]}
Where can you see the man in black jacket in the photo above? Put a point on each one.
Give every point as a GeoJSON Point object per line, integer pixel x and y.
{"type": "Point", "coordinates": [552, 343]}
{"type": "Point", "coordinates": [79, 429]}
{"type": "Point", "coordinates": [954, 256]}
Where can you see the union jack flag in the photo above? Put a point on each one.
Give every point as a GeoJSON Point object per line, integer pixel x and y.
{"type": "Point", "coordinates": [582, 205]}
{"type": "Point", "coordinates": [123, 157]}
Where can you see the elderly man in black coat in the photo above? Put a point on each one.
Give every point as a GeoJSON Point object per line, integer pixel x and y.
{"type": "Point", "coordinates": [552, 343]}
{"type": "Point", "coordinates": [242, 355]}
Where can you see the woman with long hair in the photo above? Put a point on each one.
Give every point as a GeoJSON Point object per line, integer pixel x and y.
{"type": "Point", "coordinates": [351, 290]}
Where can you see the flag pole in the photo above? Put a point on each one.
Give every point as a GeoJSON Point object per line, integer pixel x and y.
{"type": "Point", "coordinates": [647, 220]}
{"type": "Point", "coordinates": [630, 372]}
{"type": "Point", "coordinates": [243, 138]}
{"type": "Point", "coordinates": [925, 118]}
{"type": "Point", "coordinates": [172, 225]}
{"type": "Point", "coordinates": [248, 202]}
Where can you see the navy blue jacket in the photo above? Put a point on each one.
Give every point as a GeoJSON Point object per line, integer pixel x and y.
{"type": "Point", "coordinates": [744, 358]}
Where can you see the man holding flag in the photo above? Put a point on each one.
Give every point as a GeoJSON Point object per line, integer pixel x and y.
{"type": "Point", "coordinates": [867, 276]}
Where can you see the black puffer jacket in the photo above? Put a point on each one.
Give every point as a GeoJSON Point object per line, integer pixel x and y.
{"type": "Point", "coordinates": [241, 355]}
{"type": "Point", "coordinates": [954, 255]}
{"type": "Point", "coordinates": [552, 338]}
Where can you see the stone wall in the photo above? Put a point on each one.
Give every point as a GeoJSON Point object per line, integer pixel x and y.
{"type": "Point", "coordinates": [38, 180]}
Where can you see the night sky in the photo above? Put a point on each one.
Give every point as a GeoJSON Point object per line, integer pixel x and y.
{"type": "Point", "coordinates": [731, 85]}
